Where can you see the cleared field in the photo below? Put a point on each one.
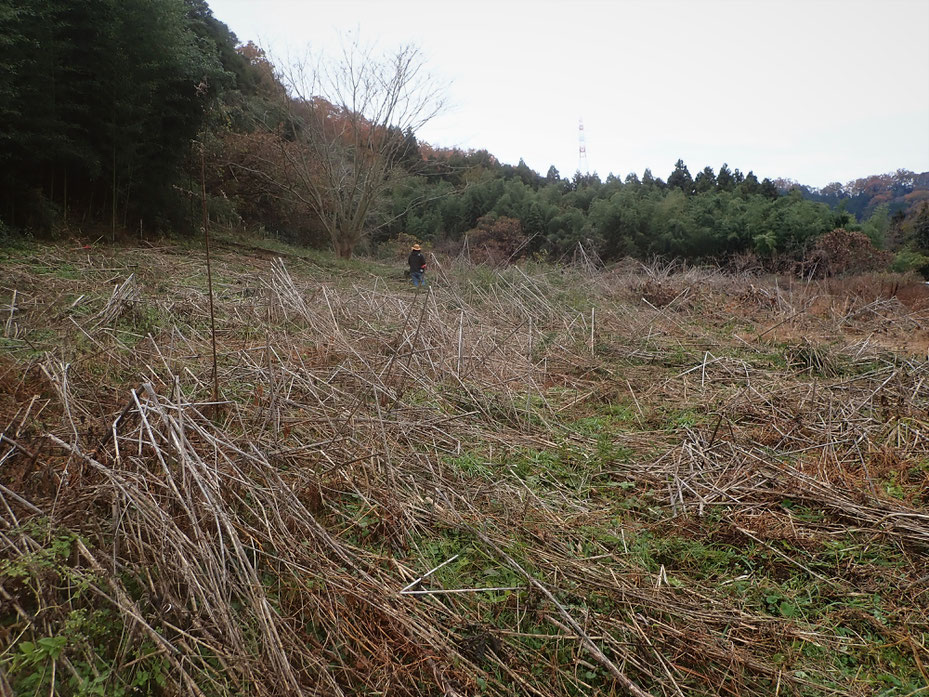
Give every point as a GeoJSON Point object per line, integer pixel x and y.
{"type": "Point", "coordinates": [640, 480]}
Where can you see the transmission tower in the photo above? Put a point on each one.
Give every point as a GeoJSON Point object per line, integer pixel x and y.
{"type": "Point", "coordinates": [582, 165]}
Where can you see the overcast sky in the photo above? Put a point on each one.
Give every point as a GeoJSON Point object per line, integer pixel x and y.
{"type": "Point", "coordinates": [811, 90]}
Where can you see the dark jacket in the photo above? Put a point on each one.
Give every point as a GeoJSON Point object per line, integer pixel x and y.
{"type": "Point", "coordinates": [416, 261]}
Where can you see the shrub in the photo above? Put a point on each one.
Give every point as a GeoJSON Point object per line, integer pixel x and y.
{"type": "Point", "coordinates": [496, 241]}
{"type": "Point", "coordinates": [908, 260]}
{"type": "Point", "coordinates": [397, 248]}
{"type": "Point", "coordinates": [844, 252]}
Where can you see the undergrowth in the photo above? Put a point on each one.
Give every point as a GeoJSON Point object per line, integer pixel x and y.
{"type": "Point", "coordinates": [517, 481]}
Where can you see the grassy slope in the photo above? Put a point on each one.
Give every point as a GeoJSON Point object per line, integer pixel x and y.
{"type": "Point", "coordinates": [721, 481]}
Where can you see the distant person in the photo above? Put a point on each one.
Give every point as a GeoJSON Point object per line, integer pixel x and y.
{"type": "Point", "coordinates": [417, 264]}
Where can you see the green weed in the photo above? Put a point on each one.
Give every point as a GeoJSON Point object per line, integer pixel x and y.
{"type": "Point", "coordinates": [49, 585]}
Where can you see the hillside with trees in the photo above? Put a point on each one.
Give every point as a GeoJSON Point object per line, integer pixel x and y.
{"type": "Point", "coordinates": [129, 118]}
{"type": "Point", "coordinates": [899, 193]}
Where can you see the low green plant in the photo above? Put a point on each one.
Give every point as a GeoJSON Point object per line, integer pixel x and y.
{"type": "Point", "coordinates": [89, 631]}
{"type": "Point", "coordinates": [907, 260]}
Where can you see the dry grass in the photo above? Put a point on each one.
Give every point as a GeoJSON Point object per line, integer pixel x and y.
{"type": "Point", "coordinates": [533, 481]}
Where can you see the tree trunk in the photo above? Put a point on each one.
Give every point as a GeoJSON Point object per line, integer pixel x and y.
{"type": "Point", "coordinates": [343, 245]}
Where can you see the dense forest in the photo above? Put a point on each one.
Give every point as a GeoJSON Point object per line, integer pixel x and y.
{"type": "Point", "coordinates": [140, 117]}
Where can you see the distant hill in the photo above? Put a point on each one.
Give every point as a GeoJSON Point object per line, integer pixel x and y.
{"type": "Point", "coordinates": [902, 191]}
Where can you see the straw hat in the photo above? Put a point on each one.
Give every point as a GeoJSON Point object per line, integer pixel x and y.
{"type": "Point", "coordinates": [416, 247]}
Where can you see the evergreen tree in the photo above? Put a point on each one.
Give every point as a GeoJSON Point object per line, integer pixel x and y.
{"type": "Point", "coordinates": [769, 189]}
{"type": "Point", "coordinates": [725, 181]}
{"type": "Point", "coordinates": [527, 175]}
{"type": "Point", "coordinates": [705, 181]}
{"type": "Point", "coordinates": [680, 178]}
{"type": "Point", "coordinates": [750, 186]}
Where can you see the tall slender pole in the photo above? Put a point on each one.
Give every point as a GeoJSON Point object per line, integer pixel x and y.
{"type": "Point", "coordinates": [209, 273]}
{"type": "Point", "coordinates": [113, 222]}
{"type": "Point", "coordinates": [460, 341]}
{"type": "Point", "coordinates": [582, 165]}
{"type": "Point", "coordinates": [592, 319]}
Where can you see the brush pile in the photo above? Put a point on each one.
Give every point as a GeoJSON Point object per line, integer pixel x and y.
{"type": "Point", "coordinates": [545, 481]}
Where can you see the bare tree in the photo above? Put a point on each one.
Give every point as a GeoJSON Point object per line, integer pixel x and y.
{"type": "Point", "coordinates": [353, 120]}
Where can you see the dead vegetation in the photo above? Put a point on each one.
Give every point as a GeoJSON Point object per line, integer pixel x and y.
{"type": "Point", "coordinates": [540, 481]}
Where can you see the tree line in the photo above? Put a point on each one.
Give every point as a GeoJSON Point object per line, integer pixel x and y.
{"type": "Point", "coordinates": [715, 215]}
{"type": "Point", "coordinates": [124, 116]}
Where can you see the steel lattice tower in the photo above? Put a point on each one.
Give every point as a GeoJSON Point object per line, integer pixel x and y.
{"type": "Point", "coordinates": [582, 165]}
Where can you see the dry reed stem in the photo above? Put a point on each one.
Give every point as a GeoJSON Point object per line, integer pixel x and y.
{"type": "Point", "coordinates": [277, 540]}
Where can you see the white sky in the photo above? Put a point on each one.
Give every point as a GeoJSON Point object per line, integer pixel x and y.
{"type": "Point", "coordinates": [812, 90]}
